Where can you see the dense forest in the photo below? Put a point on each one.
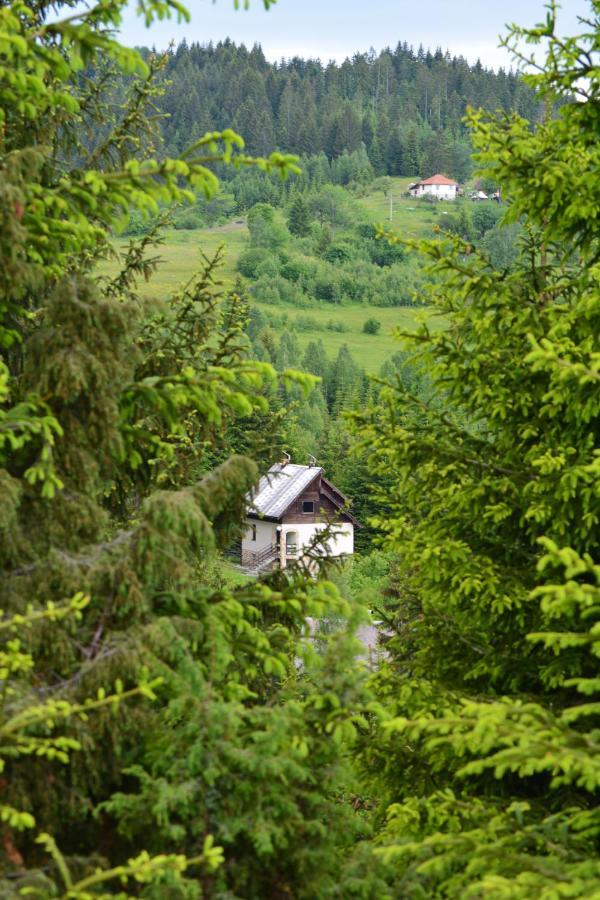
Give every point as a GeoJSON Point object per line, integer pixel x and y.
{"type": "Point", "coordinates": [404, 107]}
{"type": "Point", "coordinates": [172, 728]}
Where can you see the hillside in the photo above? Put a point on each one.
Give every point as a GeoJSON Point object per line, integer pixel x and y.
{"type": "Point", "coordinates": [405, 106]}
{"type": "Point", "coordinates": [181, 256]}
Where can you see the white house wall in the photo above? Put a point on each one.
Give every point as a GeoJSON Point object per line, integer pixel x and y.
{"type": "Point", "coordinates": [439, 191]}
{"type": "Point", "coordinates": [447, 192]}
{"type": "Point", "coordinates": [341, 544]}
{"type": "Point", "coordinates": [265, 535]}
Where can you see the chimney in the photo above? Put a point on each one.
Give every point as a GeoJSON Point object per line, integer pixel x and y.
{"type": "Point", "coordinates": [312, 461]}
{"type": "Point", "coordinates": [286, 459]}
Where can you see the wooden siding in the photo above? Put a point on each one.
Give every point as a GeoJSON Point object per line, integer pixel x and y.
{"type": "Point", "coordinates": [324, 508]}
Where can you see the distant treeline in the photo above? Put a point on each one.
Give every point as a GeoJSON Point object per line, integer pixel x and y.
{"type": "Point", "coordinates": [404, 107]}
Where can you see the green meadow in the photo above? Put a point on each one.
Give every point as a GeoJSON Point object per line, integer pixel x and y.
{"type": "Point", "coordinates": [369, 350]}
{"type": "Point", "coordinates": [181, 255]}
{"type": "Point", "coordinates": [410, 218]}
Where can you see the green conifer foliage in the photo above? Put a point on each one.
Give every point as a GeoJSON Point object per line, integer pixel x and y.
{"type": "Point", "coordinates": [299, 217]}
{"type": "Point", "coordinates": [265, 231]}
{"type": "Point", "coordinates": [351, 108]}
{"type": "Point", "coordinates": [488, 763]}
{"type": "Point", "coordinates": [112, 412]}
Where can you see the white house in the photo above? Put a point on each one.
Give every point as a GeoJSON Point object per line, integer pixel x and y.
{"type": "Point", "coordinates": [292, 505]}
{"type": "Point", "coordinates": [438, 186]}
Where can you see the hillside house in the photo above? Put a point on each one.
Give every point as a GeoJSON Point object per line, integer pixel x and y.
{"type": "Point", "coordinates": [438, 186]}
{"type": "Point", "coordinates": [292, 505]}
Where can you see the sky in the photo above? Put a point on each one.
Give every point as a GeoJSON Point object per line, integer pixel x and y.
{"type": "Point", "coordinates": [334, 29]}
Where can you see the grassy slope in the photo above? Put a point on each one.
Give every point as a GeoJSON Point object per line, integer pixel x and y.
{"type": "Point", "coordinates": [369, 350]}
{"type": "Point", "coordinates": [410, 218]}
{"type": "Point", "coordinates": [181, 257]}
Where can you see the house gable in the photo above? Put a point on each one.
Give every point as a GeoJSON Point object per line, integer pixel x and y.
{"type": "Point", "coordinates": [328, 504]}
{"type": "Point", "coordinates": [309, 498]}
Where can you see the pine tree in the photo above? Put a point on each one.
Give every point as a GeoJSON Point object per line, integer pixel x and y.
{"type": "Point", "coordinates": [438, 155]}
{"type": "Point", "coordinates": [219, 759]}
{"type": "Point", "coordinates": [299, 216]}
{"type": "Point", "coordinates": [333, 108]}
{"type": "Point", "coordinates": [487, 763]}
{"type": "Point", "coordinates": [412, 156]}
{"type": "Point", "coordinates": [315, 359]}
{"type": "Point", "coordinates": [343, 380]}
{"type": "Point", "coordinates": [394, 154]}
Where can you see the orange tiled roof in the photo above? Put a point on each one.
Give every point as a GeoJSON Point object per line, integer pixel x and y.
{"type": "Point", "coordinates": [438, 179]}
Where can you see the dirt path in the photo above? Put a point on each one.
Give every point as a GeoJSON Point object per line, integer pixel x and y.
{"type": "Point", "coordinates": [236, 225]}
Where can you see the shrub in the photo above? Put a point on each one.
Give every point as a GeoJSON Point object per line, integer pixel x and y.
{"type": "Point", "coordinates": [188, 220]}
{"type": "Point", "coordinates": [268, 266]}
{"type": "Point", "coordinates": [307, 323]}
{"type": "Point", "coordinates": [138, 224]}
{"type": "Point", "coordinates": [275, 289]}
{"type": "Point", "coordinates": [501, 245]}
{"type": "Point", "coordinates": [484, 217]}
{"type": "Point", "coordinates": [294, 268]}
{"type": "Point", "coordinates": [339, 252]}
{"type": "Point", "coordinates": [333, 205]}
{"type": "Point", "coordinates": [250, 260]}
{"type": "Point", "coordinates": [382, 253]}
{"type": "Point", "coordinates": [372, 326]}
{"type": "Point", "coordinates": [265, 230]}
{"type": "Point", "coordinates": [327, 289]}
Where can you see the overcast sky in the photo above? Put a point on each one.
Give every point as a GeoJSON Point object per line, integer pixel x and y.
{"type": "Point", "coordinates": [334, 29]}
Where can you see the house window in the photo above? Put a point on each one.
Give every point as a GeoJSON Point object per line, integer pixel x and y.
{"type": "Point", "coordinates": [308, 506]}
{"type": "Point", "coordinates": [253, 529]}
{"type": "Point", "coordinates": [291, 543]}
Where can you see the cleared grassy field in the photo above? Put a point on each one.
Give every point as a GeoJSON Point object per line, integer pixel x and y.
{"type": "Point", "coordinates": [369, 350]}
{"type": "Point", "coordinates": [410, 218]}
{"type": "Point", "coordinates": [181, 256]}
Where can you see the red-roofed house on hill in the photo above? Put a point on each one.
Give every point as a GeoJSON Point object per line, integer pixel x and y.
{"type": "Point", "coordinates": [438, 186]}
